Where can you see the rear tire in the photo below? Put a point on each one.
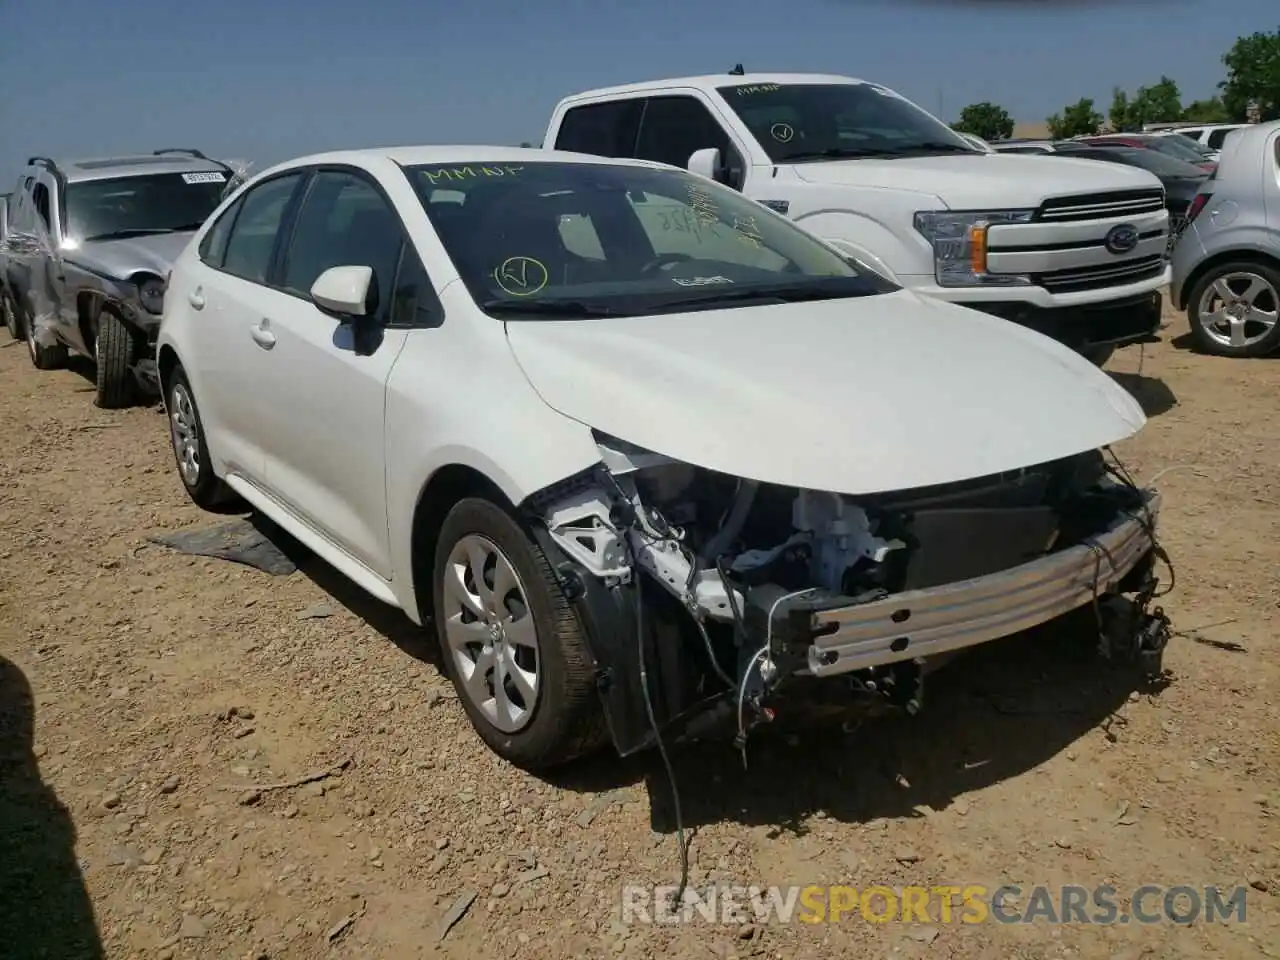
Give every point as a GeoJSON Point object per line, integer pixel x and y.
{"type": "Point", "coordinates": [1256, 283]}
{"type": "Point", "coordinates": [10, 311]}
{"type": "Point", "coordinates": [529, 633]}
{"type": "Point", "coordinates": [190, 451]}
{"type": "Point", "coordinates": [1100, 354]}
{"type": "Point", "coordinates": [114, 354]}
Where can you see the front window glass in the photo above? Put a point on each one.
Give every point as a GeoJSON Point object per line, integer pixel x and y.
{"type": "Point", "coordinates": [134, 206]}
{"type": "Point", "coordinates": [597, 239]}
{"type": "Point", "coordinates": [799, 122]}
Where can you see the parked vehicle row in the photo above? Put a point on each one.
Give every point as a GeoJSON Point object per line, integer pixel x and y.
{"type": "Point", "coordinates": [683, 413]}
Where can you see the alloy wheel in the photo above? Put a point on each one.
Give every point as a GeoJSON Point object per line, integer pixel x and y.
{"type": "Point", "coordinates": [1239, 308]}
{"type": "Point", "coordinates": [490, 632]}
{"type": "Point", "coordinates": [184, 429]}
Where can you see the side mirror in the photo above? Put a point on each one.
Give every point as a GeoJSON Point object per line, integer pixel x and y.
{"type": "Point", "coordinates": [343, 291]}
{"type": "Point", "coordinates": [706, 163]}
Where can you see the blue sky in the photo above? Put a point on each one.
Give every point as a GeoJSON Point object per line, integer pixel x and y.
{"type": "Point", "coordinates": [266, 80]}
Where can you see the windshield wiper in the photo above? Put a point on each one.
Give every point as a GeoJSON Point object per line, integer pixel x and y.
{"type": "Point", "coordinates": [797, 293]}
{"type": "Point", "coordinates": [550, 308]}
{"type": "Point", "coordinates": [127, 232]}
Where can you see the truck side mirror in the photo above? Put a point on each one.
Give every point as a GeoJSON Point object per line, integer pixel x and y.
{"type": "Point", "coordinates": [707, 163]}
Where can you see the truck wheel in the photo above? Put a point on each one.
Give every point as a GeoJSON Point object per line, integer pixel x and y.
{"type": "Point", "coordinates": [511, 643]}
{"type": "Point", "coordinates": [114, 349]}
{"type": "Point", "coordinates": [1100, 354]}
{"type": "Point", "coordinates": [43, 356]}
{"type": "Point", "coordinates": [190, 451]}
{"type": "Point", "coordinates": [1234, 308]}
{"type": "Point", "coordinates": [10, 315]}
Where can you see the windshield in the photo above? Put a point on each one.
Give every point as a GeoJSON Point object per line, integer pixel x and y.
{"type": "Point", "coordinates": [586, 239]}
{"type": "Point", "coordinates": [800, 122]}
{"type": "Point", "coordinates": [139, 205]}
{"type": "Point", "coordinates": [1175, 145]}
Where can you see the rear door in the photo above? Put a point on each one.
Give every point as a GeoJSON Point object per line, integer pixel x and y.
{"type": "Point", "coordinates": [226, 296]}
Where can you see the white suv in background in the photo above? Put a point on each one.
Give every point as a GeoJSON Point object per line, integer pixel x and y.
{"type": "Point", "coordinates": [628, 480]}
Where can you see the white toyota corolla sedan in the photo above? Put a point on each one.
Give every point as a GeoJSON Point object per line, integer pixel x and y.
{"type": "Point", "coordinates": [639, 449]}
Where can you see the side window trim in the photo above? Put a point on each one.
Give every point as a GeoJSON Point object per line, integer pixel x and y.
{"type": "Point", "coordinates": [740, 153]}
{"type": "Point", "coordinates": [230, 215]}
{"type": "Point", "coordinates": [302, 174]}
{"type": "Point", "coordinates": [284, 238]}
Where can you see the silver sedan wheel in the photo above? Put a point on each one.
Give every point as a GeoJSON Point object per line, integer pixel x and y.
{"type": "Point", "coordinates": [1239, 309]}
{"type": "Point", "coordinates": [491, 634]}
{"type": "Point", "coordinates": [184, 428]}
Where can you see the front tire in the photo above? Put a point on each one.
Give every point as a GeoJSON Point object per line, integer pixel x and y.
{"type": "Point", "coordinates": [190, 451]}
{"type": "Point", "coordinates": [1234, 308]}
{"type": "Point", "coordinates": [114, 354]}
{"type": "Point", "coordinates": [511, 643]}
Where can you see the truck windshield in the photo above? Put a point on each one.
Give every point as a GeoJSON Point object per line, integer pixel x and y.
{"type": "Point", "coordinates": [556, 239]}
{"type": "Point", "coordinates": [139, 205]}
{"type": "Point", "coordinates": [798, 122]}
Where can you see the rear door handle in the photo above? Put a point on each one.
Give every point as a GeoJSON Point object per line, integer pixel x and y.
{"type": "Point", "coordinates": [196, 299]}
{"type": "Point", "coordinates": [262, 335]}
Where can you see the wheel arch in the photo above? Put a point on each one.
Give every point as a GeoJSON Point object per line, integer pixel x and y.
{"type": "Point", "coordinates": [437, 496]}
{"type": "Point", "coordinates": [1235, 255]}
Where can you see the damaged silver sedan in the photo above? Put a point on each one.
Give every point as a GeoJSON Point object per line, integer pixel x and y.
{"type": "Point", "coordinates": [641, 451]}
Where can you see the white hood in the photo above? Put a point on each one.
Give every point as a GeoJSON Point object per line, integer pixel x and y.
{"type": "Point", "coordinates": [982, 181]}
{"type": "Point", "coordinates": [865, 395]}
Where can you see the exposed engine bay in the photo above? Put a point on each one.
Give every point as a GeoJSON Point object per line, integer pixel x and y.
{"type": "Point", "coordinates": [735, 587]}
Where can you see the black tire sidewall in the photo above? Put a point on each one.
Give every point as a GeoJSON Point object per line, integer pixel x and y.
{"type": "Point", "coordinates": [545, 733]}
{"type": "Point", "coordinates": [12, 321]}
{"type": "Point", "coordinates": [114, 351]}
{"type": "Point", "coordinates": [1267, 345]}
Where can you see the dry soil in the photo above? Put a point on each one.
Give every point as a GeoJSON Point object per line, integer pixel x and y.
{"type": "Point", "coordinates": [147, 697]}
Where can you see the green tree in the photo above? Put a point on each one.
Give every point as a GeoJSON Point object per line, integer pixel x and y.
{"type": "Point", "coordinates": [1078, 119]}
{"type": "Point", "coordinates": [1158, 103]}
{"type": "Point", "coordinates": [1253, 76]}
{"type": "Point", "coordinates": [1206, 111]}
{"type": "Point", "coordinates": [985, 120]}
{"type": "Point", "coordinates": [1118, 116]}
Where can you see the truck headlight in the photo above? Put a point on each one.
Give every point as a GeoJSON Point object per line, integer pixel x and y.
{"type": "Point", "coordinates": [959, 241]}
{"type": "Point", "coordinates": [151, 294]}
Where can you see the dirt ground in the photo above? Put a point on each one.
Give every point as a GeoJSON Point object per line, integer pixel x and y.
{"type": "Point", "coordinates": [146, 697]}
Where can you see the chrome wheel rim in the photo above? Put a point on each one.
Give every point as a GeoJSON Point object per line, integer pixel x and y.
{"type": "Point", "coordinates": [490, 633]}
{"type": "Point", "coordinates": [185, 431]}
{"type": "Point", "coordinates": [1238, 309]}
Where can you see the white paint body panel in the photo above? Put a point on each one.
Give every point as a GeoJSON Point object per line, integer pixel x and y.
{"type": "Point", "coordinates": [853, 396]}
{"type": "Point", "coordinates": [856, 395]}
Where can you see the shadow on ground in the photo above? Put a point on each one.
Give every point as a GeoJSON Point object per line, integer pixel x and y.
{"type": "Point", "coordinates": [993, 713]}
{"type": "Point", "coordinates": [989, 715]}
{"type": "Point", "coordinates": [45, 910]}
{"type": "Point", "coordinates": [1151, 392]}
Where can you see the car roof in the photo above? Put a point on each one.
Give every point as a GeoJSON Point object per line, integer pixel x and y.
{"type": "Point", "coordinates": [83, 169]}
{"type": "Point", "coordinates": [714, 80]}
{"type": "Point", "coordinates": [478, 154]}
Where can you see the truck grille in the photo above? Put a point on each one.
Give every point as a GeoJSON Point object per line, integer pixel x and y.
{"type": "Point", "coordinates": [1100, 206]}
{"type": "Point", "coordinates": [1105, 275]}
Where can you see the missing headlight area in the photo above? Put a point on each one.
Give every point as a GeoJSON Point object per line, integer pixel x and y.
{"type": "Point", "coordinates": [748, 586]}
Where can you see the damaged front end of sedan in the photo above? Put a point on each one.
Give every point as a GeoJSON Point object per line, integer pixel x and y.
{"type": "Point", "coordinates": [706, 598]}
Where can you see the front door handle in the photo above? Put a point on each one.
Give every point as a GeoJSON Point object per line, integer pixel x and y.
{"type": "Point", "coordinates": [262, 335]}
{"type": "Point", "coordinates": [196, 299]}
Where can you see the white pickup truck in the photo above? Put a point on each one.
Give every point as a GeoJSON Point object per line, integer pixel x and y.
{"type": "Point", "coordinates": [1074, 249]}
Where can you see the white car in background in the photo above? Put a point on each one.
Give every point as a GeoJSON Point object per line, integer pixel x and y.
{"type": "Point", "coordinates": [628, 483]}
